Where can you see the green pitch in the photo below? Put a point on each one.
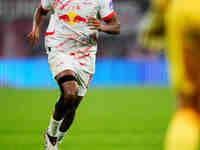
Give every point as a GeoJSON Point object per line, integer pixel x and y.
{"type": "Point", "coordinates": [107, 119]}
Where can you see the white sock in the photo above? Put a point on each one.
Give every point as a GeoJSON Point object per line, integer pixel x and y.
{"type": "Point", "coordinates": [53, 126]}
{"type": "Point", "coordinates": [60, 135]}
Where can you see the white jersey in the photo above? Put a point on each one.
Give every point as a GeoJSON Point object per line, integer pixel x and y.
{"type": "Point", "coordinates": [68, 31]}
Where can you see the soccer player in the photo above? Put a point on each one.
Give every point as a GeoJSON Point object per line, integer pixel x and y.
{"type": "Point", "coordinates": [71, 45]}
{"type": "Point", "coordinates": [178, 24]}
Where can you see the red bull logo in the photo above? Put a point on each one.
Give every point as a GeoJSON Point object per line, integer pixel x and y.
{"type": "Point", "coordinates": [72, 18]}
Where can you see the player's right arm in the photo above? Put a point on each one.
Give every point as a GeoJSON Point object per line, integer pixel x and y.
{"type": "Point", "coordinates": [38, 20]}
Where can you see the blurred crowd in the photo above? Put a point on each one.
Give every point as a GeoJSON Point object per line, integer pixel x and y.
{"type": "Point", "coordinates": [16, 22]}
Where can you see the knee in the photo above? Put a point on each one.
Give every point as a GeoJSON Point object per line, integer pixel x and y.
{"type": "Point", "coordinates": [70, 93]}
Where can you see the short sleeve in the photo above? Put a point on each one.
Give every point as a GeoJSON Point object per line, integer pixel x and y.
{"type": "Point", "coordinates": [106, 9]}
{"type": "Point", "coordinates": [46, 5]}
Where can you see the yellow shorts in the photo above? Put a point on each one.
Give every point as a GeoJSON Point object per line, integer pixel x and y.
{"type": "Point", "coordinates": [183, 44]}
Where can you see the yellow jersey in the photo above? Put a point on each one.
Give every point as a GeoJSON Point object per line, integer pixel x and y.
{"type": "Point", "coordinates": [180, 21]}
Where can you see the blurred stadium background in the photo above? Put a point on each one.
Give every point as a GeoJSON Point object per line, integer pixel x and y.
{"type": "Point", "coordinates": [129, 117]}
{"type": "Point", "coordinates": [121, 60]}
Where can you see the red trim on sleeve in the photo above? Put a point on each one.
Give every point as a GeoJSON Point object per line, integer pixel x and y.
{"type": "Point", "coordinates": [49, 33]}
{"type": "Point", "coordinates": [109, 16]}
{"type": "Point", "coordinates": [46, 11]}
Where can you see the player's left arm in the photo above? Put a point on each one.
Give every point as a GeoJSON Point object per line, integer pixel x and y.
{"type": "Point", "coordinates": [111, 26]}
{"type": "Point", "coordinates": [106, 12]}
{"type": "Point", "coordinates": [152, 31]}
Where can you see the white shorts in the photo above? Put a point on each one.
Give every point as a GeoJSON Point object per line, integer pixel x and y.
{"type": "Point", "coordinates": [59, 62]}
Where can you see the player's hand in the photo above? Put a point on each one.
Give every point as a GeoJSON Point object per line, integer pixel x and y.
{"type": "Point", "coordinates": [33, 36]}
{"type": "Point", "coordinates": [94, 24]}
{"type": "Point", "coordinates": [152, 32]}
